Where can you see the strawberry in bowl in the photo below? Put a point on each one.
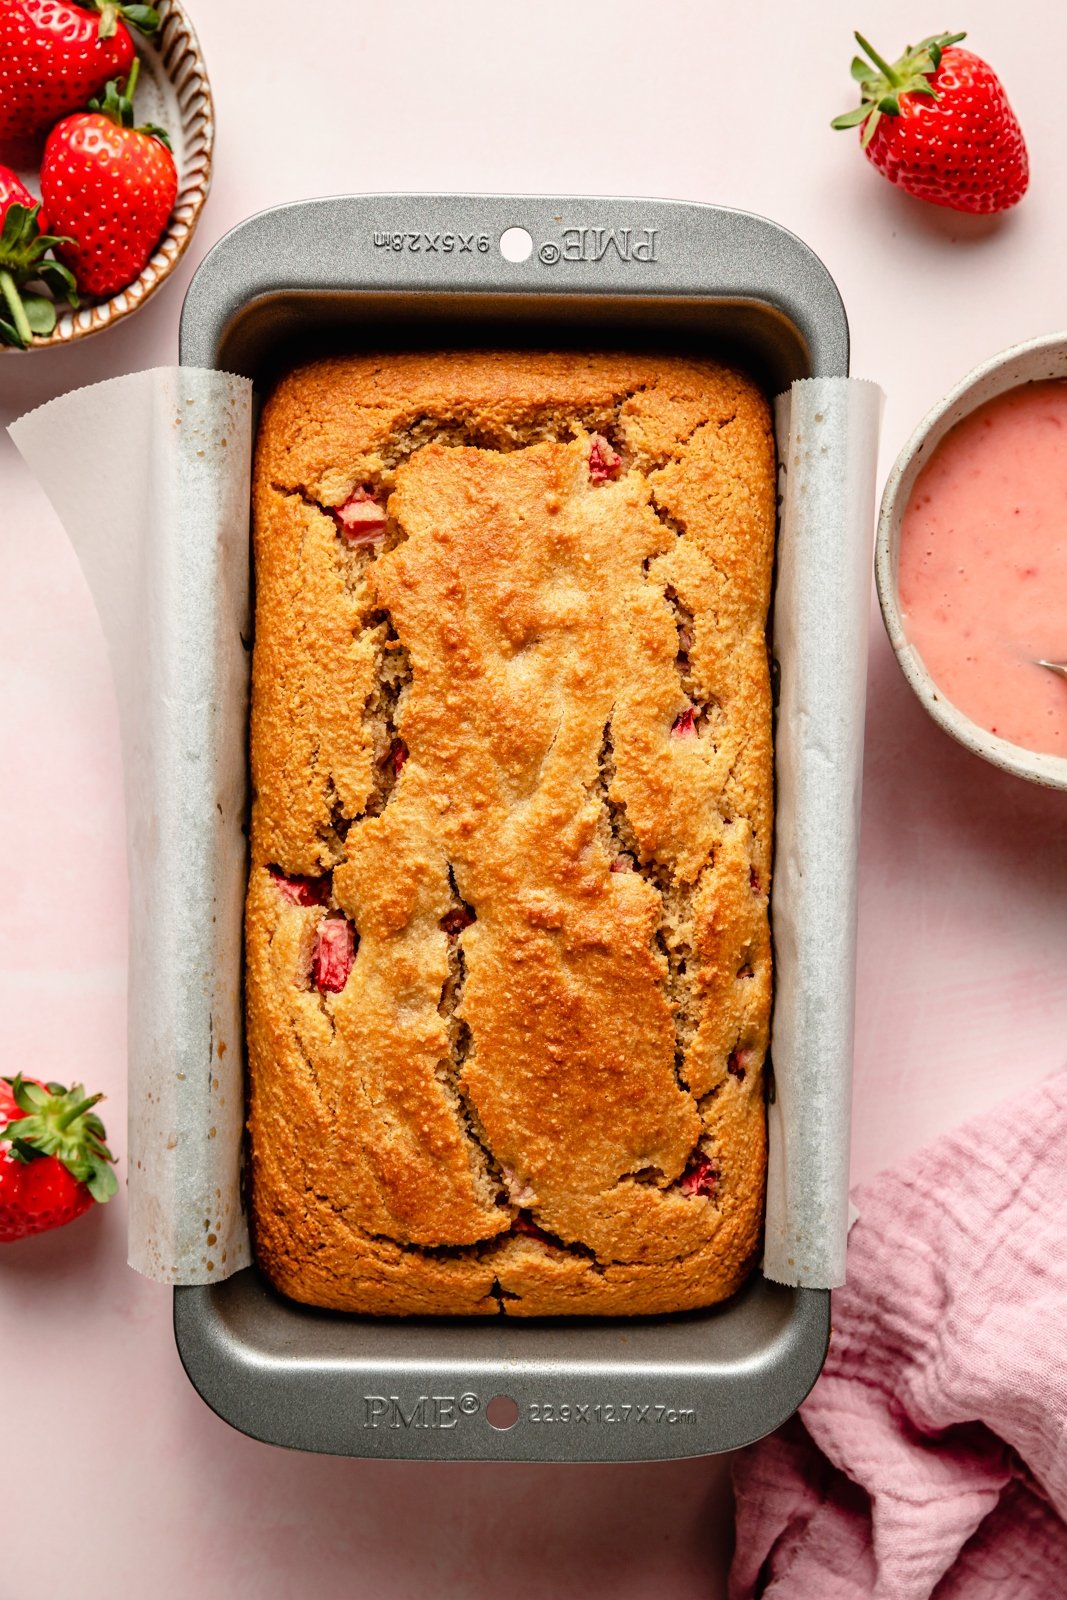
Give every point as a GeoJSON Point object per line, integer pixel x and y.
{"type": "Point", "coordinates": [54, 56]}
{"type": "Point", "coordinates": [24, 245]}
{"type": "Point", "coordinates": [109, 188]}
{"type": "Point", "coordinates": [54, 1163]}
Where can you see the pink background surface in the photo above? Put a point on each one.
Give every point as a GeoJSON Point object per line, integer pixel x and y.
{"type": "Point", "coordinates": [962, 976]}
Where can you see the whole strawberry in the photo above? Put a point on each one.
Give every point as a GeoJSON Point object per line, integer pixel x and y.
{"type": "Point", "coordinates": [111, 187]}
{"type": "Point", "coordinates": [938, 123]}
{"type": "Point", "coordinates": [54, 56]}
{"type": "Point", "coordinates": [53, 1160]}
{"type": "Point", "coordinates": [24, 241]}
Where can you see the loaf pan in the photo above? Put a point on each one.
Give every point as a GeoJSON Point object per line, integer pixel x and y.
{"type": "Point", "coordinates": [374, 271]}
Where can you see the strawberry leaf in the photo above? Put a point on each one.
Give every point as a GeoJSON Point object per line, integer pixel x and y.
{"type": "Point", "coordinates": [29, 1097]}
{"type": "Point", "coordinates": [23, 260]}
{"type": "Point", "coordinates": [14, 228]}
{"type": "Point", "coordinates": [144, 18]}
{"type": "Point", "coordinates": [102, 1184]}
{"type": "Point", "coordinates": [869, 130]}
{"type": "Point", "coordinates": [156, 132]}
{"type": "Point", "coordinates": [55, 276]}
{"type": "Point", "coordinates": [116, 105]}
{"type": "Point", "coordinates": [40, 313]}
{"type": "Point", "coordinates": [851, 119]}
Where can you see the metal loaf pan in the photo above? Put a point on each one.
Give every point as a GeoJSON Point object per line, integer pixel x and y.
{"type": "Point", "coordinates": [376, 271]}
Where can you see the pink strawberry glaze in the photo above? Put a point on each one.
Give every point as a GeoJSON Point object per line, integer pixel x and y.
{"type": "Point", "coordinates": [700, 1177]}
{"type": "Point", "coordinates": [335, 951]}
{"type": "Point", "coordinates": [983, 565]}
{"type": "Point", "coordinates": [604, 462]}
{"type": "Point", "coordinates": [302, 891]}
{"type": "Point", "coordinates": [361, 519]}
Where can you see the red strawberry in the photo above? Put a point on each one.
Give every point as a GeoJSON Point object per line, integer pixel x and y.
{"type": "Point", "coordinates": [685, 723]}
{"type": "Point", "coordinates": [23, 244]}
{"type": "Point", "coordinates": [111, 187]}
{"type": "Point", "coordinates": [938, 123]}
{"type": "Point", "coordinates": [53, 1159]}
{"type": "Point", "coordinates": [54, 56]}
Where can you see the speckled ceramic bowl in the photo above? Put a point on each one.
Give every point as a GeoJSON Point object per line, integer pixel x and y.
{"type": "Point", "coordinates": [174, 92]}
{"type": "Point", "coordinates": [1032, 362]}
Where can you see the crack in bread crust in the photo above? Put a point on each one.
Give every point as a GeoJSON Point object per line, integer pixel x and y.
{"type": "Point", "coordinates": [451, 1068]}
{"type": "Point", "coordinates": [550, 689]}
{"type": "Point", "coordinates": [673, 935]}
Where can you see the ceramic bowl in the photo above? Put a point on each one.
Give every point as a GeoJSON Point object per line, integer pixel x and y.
{"type": "Point", "coordinates": [1032, 362]}
{"type": "Point", "coordinates": [173, 91]}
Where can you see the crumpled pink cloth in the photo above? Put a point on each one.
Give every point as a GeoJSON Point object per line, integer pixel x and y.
{"type": "Point", "coordinates": [931, 1457]}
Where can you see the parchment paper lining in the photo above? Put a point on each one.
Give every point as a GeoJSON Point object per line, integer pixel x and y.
{"type": "Point", "coordinates": [149, 474]}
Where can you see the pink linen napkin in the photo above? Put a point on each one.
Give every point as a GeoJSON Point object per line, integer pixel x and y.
{"type": "Point", "coordinates": [931, 1457]}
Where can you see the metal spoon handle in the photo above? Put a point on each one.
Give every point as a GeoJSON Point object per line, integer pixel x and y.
{"type": "Point", "coordinates": [1059, 667]}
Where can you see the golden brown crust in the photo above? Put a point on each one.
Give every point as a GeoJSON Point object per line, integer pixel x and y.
{"type": "Point", "coordinates": [576, 671]}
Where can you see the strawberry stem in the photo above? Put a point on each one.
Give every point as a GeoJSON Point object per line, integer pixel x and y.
{"type": "Point", "coordinates": [76, 1110]}
{"type": "Point", "coordinates": [144, 18]}
{"type": "Point", "coordinates": [13, 301]}
{"type": "Point", "coordinates": [883, 66]}
{"type": "Point", "coordinates": [131, 81]}
{"type": "Point", "coordinates": [61, 1123]}
{"type": "Point", "coordinates": [109, 12]}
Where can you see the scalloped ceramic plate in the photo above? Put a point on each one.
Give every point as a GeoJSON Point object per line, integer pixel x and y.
{"type": "Point", "coordinates": [174, 92]}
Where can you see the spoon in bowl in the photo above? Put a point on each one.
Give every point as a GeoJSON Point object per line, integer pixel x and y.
{"type": "Point", "coordinates": [1059, 667]}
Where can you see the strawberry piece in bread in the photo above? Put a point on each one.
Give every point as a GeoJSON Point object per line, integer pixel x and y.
{"type": "Point", "coordinates": [335, 951]}
{"type": "Point", "coordinates": [604, 462]}
{"type": "Point", "coordinates": [360, 518]}
{"type": "Point", "coordinates": [700, 1177]}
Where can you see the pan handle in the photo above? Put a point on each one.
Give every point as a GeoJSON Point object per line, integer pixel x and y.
{"type": "Point", "coordinates": [516, 245]}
